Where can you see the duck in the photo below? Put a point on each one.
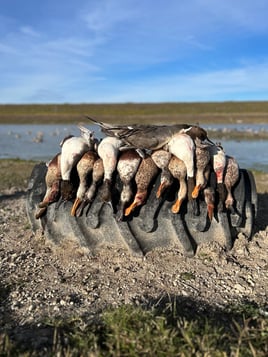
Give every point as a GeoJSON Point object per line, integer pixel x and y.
{"type": "Point", "coordinates": [84, 169]}
{"type": "Point", "coordinates": [52, 180]}
{"type": "Point", "coordinates": [127, 167]}
{"type": "Point", "coordinates": [161, 158]}
{"type": "Point", "coordinates": [182, 146]}
{"type": "Point", "coordinates": [209, 196]}
{"type": "Point", "coordinates": [149, 137]}
{"type": "Point", "coordinates": [97, 176]}
{"type": "Point", "coordinates": [202, 160]}
{"type": "Point", "coordinates": [178, 170]}
{"type": "Point", "coordinates": [218, 159]}
{"type": "Point", "coordinates": [231, 177]}
{"type": "Point", "coordinates": [72, 149]}
{"type": "Point", "coordinates": [146, 172]}
{"type": "Point", "coordinates": [108, 151]}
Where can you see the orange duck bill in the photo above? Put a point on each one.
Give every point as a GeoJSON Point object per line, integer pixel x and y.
{"type": "Point", "coordinates": [161, 189]}
{"type": "Point", "coordinates": [196, 190]}
{"type": "Point", "coordinates": [75, 206]}
{"type": "Point", "coordinates": [176, 207]}
{"type": "Point", "coordinates": [210, 210]}
{"type": "Point", "coordinates": [131, 208]}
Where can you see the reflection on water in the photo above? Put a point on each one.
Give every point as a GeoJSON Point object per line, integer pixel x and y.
{"type": "Point", "coordinates": [41, 143]}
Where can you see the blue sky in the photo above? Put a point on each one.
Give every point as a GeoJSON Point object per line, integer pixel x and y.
{"type": "Point", "coordinates": [115, 51]}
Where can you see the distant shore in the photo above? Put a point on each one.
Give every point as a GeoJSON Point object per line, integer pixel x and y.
{"type": "Point", "coordinates": [147, 113]}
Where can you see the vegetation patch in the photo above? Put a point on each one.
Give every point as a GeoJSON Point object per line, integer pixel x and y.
{"type": "Point", "coordinates": [158, 331]}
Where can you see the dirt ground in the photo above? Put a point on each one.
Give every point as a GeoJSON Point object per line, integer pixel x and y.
{"type": "Point", "coordinates": [40, 281]}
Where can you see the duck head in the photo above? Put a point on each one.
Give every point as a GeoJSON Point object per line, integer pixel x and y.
{"type": "Point", "coordinates": [139, 199]}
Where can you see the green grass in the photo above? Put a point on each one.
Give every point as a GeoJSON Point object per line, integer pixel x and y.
{"type": "Point", "coordinates": [173, 329]}
{"type": "Point", "coordinates": [214, 112]}
{"type": "Point", "coordinates": [15, 173]}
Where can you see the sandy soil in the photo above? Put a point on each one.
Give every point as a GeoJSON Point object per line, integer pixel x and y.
{"type": "Point", "coordinates": [40, 281]}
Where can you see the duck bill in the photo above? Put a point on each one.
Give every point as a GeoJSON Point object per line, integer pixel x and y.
{"type": "Point", "coordinates": [196, 190]}
{"type": "Point", "coordinates": [41, 212]}
{"type": "Point", "coordinates": [160, 190]}
{"type": "Point", "coordinates": [75, 206]}
{"type": "Point", "coordinates": [129, 209]}
{"type": "Point", "coordinates": [210, 142]}
{"type": "Point", "coordinates": [176, 207]}
{"type": "Point", "coordinates": [210, 209]}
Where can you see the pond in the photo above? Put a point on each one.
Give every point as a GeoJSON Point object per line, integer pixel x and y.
{"type": "Point", "coordinates": [41, 143]}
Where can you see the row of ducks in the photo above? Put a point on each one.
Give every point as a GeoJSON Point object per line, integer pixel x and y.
{"type": "Point", "coordinates": [180, 152]}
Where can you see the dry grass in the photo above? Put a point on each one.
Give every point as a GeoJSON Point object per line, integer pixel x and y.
{"type": "Point", "coordinates": [215, 112]}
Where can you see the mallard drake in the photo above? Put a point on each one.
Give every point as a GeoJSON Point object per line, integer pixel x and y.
{"type": "Point", "coordinates": [161, 158]}
{"type": "Point", "coordinates": [108, 150]}
{"type": "Point", "coordinates": [127, 167]}
{"type": "Point", "coordinates": [52, 179]}
{"type": "Point", "coordinates": [72, 149]}
{"type": "Point", "coordinates": [230, 179]}
{"type": "Point", "coordinates": [178, 170]}
{"type": "Point", "coordinates": [144, 176]}
{"type": "Point", "coordinates": [84, 169]}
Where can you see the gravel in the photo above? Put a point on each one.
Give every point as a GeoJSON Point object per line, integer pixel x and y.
{"type": "Point", "coordinates": [41, 281]}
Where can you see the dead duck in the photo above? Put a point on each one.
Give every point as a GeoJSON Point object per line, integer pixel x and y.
{"type": "Point", "coordinates": [127, 167]}
{"type": "Point", "coordinates": [202, 160]}
{"type": "Point", "coordinates": [144, 176]}
{"type": "Point", "coordinates": [52, 179]}
{"type": "Point", "coordinates": [97, 177]}
{"type": "Point", "coordinates": [149, 137]}
{"type": "Point", "coordinates": [161, 158]}
{"type": "Point", "coordinates": [218, 159]}
{"type": "Point", "coordinates": [182, 146]}
{"type": "Point", "coordinates": [72, 149]}
{"type": "Point", "coordinates": [209, 196]}
{"type": "Point", "coordinates": [84, 169]}
{"type": "Point", "coordinates": [178, 170]}
{"type": "Point", "coordinates": [108, 151]}
{"type": "Point", "coordinates": [231, 177]}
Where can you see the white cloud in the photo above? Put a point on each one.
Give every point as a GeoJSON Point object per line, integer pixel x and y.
{"type": "Point", "coordinates": [29, 31]}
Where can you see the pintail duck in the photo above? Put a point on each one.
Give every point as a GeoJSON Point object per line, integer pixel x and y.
{"type": "Point", "coordinates": [161, 158]}
{"type": "Point", "coordinates": [108, 151]}
{"type": "Point", "coordinates": [149, 137]}
{"type": "Point", "coordinates": [230, 179]}
{"type": "Point", "coordinates": [127, 167]}
{"type": "Point", "coordinates": [202, 158]}
{"type": "Point", "coordinates": [52, 179]}
{"type": "Point", "coordinates": [84, 169]}
{"type": "Point", "coordinates": [72, 149]}
{"type": "Point", "coordinates": [218, 159]}
{"type": "Point", "coordinates": [144, 176]}
{"type": "Point", "coordinates": [178, 170]}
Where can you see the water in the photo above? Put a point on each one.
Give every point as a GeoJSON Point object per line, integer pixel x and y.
{"type": "Point", "coordinates": [19, 141]}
